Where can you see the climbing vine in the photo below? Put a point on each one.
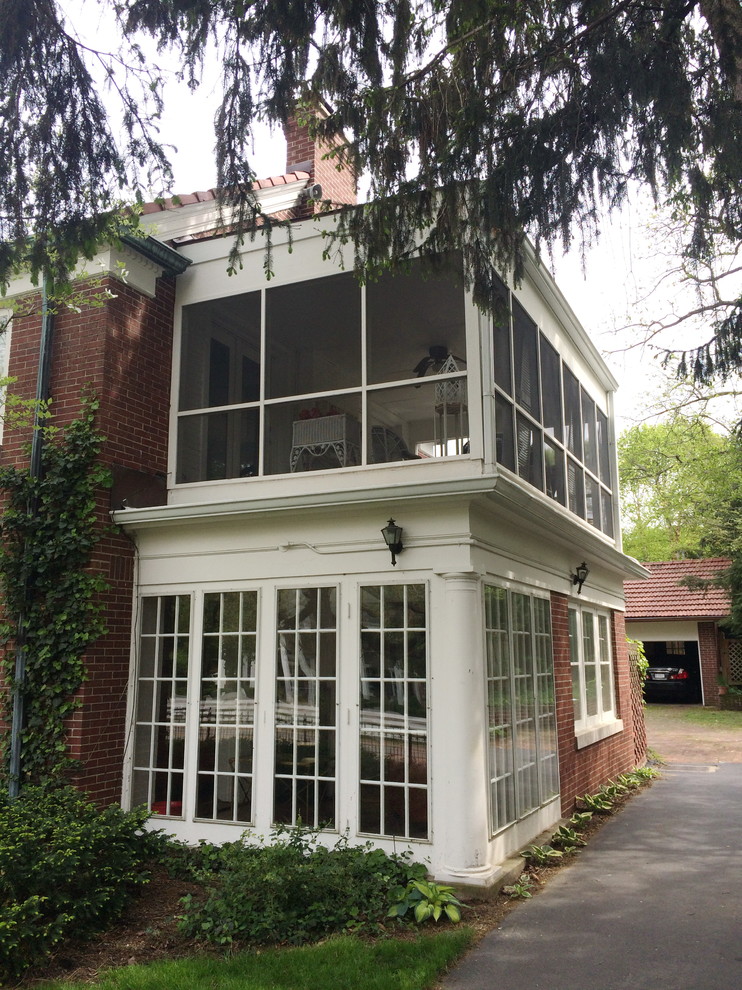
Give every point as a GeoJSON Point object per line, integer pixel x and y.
{"type": "Point", "coordinates": [48, 533]}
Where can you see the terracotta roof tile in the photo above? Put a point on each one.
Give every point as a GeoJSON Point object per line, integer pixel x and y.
{"type": "Point", "coordinates": [205, 196]}
{"type": "Point", "coordinates": [663, 597]}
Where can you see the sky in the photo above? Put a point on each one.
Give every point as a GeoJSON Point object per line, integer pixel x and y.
{"type": "Point", "coordinates": [602, 288]}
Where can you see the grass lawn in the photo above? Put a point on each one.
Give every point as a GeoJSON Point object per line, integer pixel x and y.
{"type": "Point", "coordinates": [337, 964]}
{"type": "Point", "coordinates": [696, 715]}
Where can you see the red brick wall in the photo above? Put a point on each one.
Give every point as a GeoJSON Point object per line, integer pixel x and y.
{"type": "Point", "coordinates": [583, 771]}
{"type": "Point", "coordinates": [123, 351]}
{"type": "Point", "coordinates": [338, 184]}
{"type": "Point", "coordinates": [709, 654]}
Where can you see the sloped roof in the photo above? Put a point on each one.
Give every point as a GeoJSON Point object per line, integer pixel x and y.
{"type": "Point", "coordinates": [663, 597]}
{"type": "Point", "coordinates": [210, 195]}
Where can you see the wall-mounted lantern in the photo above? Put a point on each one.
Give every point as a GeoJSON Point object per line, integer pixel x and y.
{"type": "Point", "coordinates": [580, 576]}
{"type": "Point", "coordinates": [393, 538]}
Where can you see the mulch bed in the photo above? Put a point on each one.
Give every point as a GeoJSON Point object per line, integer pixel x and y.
{"type": "Point", "coordinates": [148, 932]}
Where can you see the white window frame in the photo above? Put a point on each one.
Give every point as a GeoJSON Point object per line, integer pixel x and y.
{"type": "Point", "coordinates": [590, 647]}
{"type": "Point", "coordinates": [404, 730]}
{"type": "Point", "coordinates": [6, 324]}
{"type": "Point", "coordinates": [545, 759]}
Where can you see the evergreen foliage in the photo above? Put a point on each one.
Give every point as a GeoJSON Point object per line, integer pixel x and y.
{"type": "Point", "coordinates": [48, 533]}
{"type": "Point", "coordinates": [477, 123]}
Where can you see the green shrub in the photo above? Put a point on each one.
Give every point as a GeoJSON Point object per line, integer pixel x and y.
{"type": "Point", "coordinates": [64, 866]}
{"type": "Point", "coordinates": [425, 900]}
{"type": "Point", "coordinates": [295, 890]}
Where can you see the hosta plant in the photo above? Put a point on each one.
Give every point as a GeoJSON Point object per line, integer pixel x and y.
{"type": "Point", "coordinates": [542, 855]}
{"type": "Point", "coordinates": [521, 888]}
{"type": "Point", "coordinates": [566, 837]}
{"type": "Point", "coordinates": [580, 819]}
{"type": "Point", "coordinates": [425, 900]}
{"type": "Point", "coordinates": [597, 802]}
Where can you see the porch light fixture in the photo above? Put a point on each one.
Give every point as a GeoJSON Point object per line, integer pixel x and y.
{"type": "Point", "coordinates": [580, 576]}
{"type": "Point", "coordinates": [393, 538]}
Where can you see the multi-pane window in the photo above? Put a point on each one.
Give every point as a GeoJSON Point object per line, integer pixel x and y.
{"type": "Point", "coordinates": [592, 667]}
{"type": "Point", "coordinates": [227, 707]}
{"type": "Point", "coordinates": [393, 711]}
{"type": "Point", "coordinates": [161, 704]}
{"type": "Point", "coordinates": [548, 429]}
{"type": "Point", "coordinates": [323, 374]}
{"type": "Point", "coordinates": [306, 707]}
{"type": "Point", "coordinates": [520, 702]}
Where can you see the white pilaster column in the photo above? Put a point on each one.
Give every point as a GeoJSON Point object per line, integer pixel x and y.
{"type": "Point", "coordinates": [459, 732]}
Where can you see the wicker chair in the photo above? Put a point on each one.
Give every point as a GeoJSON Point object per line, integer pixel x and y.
{"type": "Point", "coordinates": [386, 445]}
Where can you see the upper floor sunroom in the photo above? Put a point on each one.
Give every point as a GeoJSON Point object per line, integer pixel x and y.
{"type": "Point", "coordinates": [316, 380]}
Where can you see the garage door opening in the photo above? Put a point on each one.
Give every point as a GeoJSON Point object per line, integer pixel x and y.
{"type": "Point", "coordinates": [669, 688]}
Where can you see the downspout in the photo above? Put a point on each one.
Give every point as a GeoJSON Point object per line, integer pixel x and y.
{"type": "Point", "coordinates": [43, 380]}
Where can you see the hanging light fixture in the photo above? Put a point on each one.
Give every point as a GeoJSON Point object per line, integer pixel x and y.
{"type": "Point", "coordinates": [580, 576]}
{"type": "Point", "coordinates": [393, 538]}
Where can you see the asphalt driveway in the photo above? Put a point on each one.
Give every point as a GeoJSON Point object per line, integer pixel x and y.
{"type": "Point", "coordinates": [653, 902]}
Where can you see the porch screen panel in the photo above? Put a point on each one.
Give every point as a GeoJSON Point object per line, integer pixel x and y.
{"type": "Point", "coordinates": [521, 706]}
{"type": "Point", "coordinates": [393, 707]}
{"type": "Point", "coordinates": [227, 707]}
{"type": "Point", "coordinates": [162, 697]}
{"type": "Point", "coordinates": [306, 707]}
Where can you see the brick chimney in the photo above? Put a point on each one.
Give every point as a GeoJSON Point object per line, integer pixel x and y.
{"type": "Point", "coordinates": [305, 155]}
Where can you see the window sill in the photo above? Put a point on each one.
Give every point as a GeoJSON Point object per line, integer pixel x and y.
{"type": "Point", "coordinates": [586, 737]}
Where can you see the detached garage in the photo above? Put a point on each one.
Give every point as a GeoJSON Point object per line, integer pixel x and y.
{"type": "Point", "coordinates": [679, 626]}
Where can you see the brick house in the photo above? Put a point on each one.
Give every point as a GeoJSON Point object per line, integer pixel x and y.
{"type": "Point", "coordinates": [674, 621]}
{"type": "Point", "coordinates": [265, 661]}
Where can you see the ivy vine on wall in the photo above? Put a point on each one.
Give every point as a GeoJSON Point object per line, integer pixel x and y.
{"type": "Point", "coordinates": [48, 533]}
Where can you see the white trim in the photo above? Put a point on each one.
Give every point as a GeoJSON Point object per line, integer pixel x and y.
{"type": "Point", "coordinates": [183, 222]}
{"type": "Point", "coordinates": [586, 737]}
{"type": "Point", "coordinates": [605, 715]}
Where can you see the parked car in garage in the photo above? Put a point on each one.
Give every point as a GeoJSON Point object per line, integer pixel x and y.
{"type": "Point", "coordinates": [668, 684]}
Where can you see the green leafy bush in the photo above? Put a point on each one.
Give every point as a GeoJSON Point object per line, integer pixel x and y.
{"type": "Point", "coordinates": [425, 900]}
{"type": "Point", "coordinates": [65, 866]}
{"type": "Point", "coordinates": [294, 890]}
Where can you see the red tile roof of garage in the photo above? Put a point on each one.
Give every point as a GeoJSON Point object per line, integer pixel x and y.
{"type": "Point", "coordinates": [663, 597]}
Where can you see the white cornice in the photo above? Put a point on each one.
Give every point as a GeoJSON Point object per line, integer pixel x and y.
{"type": "Point", "coordinates": [199, 511]}
{"type": "Point", "coordinates": [531, 508]}
{"type": "Point", "coordinates": [182, 222]}
{"type": "Point", "coordinates": [124, 263]}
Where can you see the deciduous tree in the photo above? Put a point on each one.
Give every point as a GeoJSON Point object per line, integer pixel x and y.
{"type": "Point", "coordinates": [681, 490]}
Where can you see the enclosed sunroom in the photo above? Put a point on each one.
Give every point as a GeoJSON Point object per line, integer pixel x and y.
{"type": "Point", "coordinates": [283, 669]}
